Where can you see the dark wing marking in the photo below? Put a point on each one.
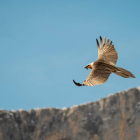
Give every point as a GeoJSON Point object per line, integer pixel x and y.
{"type": "Point", "coordinates": [77, 84]}
{"type": "Point", "coordinates": [101, 43]}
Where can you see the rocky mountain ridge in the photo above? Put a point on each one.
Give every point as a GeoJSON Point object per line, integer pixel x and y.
{"type": "Point", "coordinates": [116, 117]}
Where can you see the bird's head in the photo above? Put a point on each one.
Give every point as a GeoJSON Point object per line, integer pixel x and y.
{"type": "Point", "coordinates": [89, 66]}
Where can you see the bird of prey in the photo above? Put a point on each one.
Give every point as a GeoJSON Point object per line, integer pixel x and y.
{"type": "Point", "coordinates": [104, 66]}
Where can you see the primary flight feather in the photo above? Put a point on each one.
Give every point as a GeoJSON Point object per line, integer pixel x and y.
{"type": "Point", "coordinates": [104, 66]}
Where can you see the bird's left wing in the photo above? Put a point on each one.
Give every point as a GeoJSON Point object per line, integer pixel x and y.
{"type": "Point", "coordinates": [107, 52]}
{"type": "Point", "coordinates": [98, 75]}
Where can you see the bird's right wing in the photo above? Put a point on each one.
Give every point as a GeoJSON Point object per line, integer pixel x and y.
{"type": "Point", "coordinates": [98, 75]}
{"type": "Point", "coordinates": [107, 52]}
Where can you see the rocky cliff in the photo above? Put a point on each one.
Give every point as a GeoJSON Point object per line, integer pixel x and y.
{"type": "Point", "coordinates": [116, 117]}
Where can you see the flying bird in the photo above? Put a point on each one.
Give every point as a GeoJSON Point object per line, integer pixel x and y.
{"type": "Point", "coordinates": [104, 66]}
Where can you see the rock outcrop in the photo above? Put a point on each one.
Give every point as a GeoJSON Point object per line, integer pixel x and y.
{"type": "Point", "coordinates": [116, 117]}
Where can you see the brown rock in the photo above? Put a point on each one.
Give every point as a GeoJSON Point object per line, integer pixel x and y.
{"type": "Point", "coordinates": [116, 117]}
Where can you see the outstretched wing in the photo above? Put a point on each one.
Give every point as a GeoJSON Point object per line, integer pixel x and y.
{"type": "Point", "coordinates": [107, 52]}
{"type": "Point", "coordinates": [98, 75]}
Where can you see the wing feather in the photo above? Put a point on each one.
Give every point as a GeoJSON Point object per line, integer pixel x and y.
{"type": "Point", "coordinates": [108, 42]}
{"type": "Point", "coordinates": [104, 41]}
{"type": "Point", "coordinates": [101, 43]}
{"type": "Point", "coordinates": [107, 53]}
{"type": "Point", "coordinates": [111, 43]}
{"type": "Point", "coordinates": [98, 44]}
{"type": "Point", "coordinates": [98, 75]}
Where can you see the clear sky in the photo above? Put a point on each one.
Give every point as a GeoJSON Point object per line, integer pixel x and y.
{"type": "Point", "coordinates": [45, 44]}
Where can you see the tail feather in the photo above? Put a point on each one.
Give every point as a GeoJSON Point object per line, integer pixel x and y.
{"type": "Point", "coordinates": [124, 73]}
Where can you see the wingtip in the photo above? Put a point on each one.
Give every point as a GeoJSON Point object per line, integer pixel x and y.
{"type": "Point", "coordinates": [77, 84]}
{"type": "Point", "coordinates": [97, 42]}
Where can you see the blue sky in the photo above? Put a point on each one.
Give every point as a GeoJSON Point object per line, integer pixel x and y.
{"type": "Point", "coordinates": [44, 45]}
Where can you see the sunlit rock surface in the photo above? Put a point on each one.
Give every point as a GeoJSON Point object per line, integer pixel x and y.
{"type": "Point", "coordinates": [116, 117]}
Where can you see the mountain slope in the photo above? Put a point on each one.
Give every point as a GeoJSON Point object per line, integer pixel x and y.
{"type": "Point", "coordinates": [116, 117]}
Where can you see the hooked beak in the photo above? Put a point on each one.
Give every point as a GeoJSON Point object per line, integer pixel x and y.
{"type": "Point", "coordinates": [86, 67]}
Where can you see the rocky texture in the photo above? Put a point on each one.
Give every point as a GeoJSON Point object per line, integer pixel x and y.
{"type": "Point", "coordinates": [116, 117]}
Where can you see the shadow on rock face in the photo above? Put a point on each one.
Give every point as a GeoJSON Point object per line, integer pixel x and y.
{"type": "Point", "coordinates": [92, 125]}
